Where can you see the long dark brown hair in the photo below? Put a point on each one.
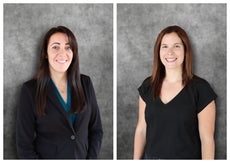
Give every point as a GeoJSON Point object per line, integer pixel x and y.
{"type": "Point", "coordinates": [158, 72]}
{"type": "Point", "coordinates": [78, 102]}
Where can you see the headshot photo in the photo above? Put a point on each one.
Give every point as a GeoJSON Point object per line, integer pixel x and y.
{"type": "Point", "coordinates": [58, 81]}
{"type": "Point", "coordinates": [171, 81]}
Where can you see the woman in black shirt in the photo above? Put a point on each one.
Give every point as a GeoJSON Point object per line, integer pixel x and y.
{"type": "Point", "coordinates": [176, 107]}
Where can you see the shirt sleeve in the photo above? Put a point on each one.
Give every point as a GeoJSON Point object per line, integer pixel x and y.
{"type": "Point", "coordinates": [95, 126]}
{"type": "Point", "coordinates": [144, 90]}
{"type": "Point", "coordinates": [25, 129]}
{"type": "Point", "coordinates": [204, 94]}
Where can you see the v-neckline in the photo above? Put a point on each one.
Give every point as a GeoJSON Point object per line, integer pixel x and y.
{"type": "Point", "coordinates": [66, 104]}
{"type": "Point", "coordinates": [174, 98]}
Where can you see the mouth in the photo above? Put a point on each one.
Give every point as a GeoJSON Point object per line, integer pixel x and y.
{"type": "Point", "coordinates": [61, 61]}
{"type": "Point", "coordinates": [170, 59]}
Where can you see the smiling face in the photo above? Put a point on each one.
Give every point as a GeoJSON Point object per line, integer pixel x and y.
{"type": "Point", "coordinates": [172, 51]}
{"type": "Point", "coordinates": [59, 53]}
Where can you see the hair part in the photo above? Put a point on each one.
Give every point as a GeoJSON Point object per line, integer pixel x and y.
{"type": "Point", "coordinates": [158, 71]}
{"type": "Point", "coordinates": [73, 74]}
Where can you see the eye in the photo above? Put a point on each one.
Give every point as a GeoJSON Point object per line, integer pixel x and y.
{"type": "Point", "coordinates": [177, 46]}
{"type": "Point", "coordinates": [68, 48]}
{"type": "Point", "coordinates": [164, 46]}
{"type": "Point", "coordinates": [55, 47]}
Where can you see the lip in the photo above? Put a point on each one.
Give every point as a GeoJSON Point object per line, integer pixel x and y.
{"type": "Point", "coordinates": [170, 59]}
{"type": "Point", "coordinates": [61, 61]}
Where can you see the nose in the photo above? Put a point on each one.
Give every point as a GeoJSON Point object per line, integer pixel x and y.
{"type": "Point", "coordinates": [170, 51]}
{"type": "Point", "coordinates": [61, 51]}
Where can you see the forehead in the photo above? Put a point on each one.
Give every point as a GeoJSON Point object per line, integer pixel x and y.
{"type": "Point", "coordinates": [171, 38]}
{"type": "Point", "coordinates": [58, 37]}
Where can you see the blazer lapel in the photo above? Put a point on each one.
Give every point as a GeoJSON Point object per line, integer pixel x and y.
{"type": "Point", "coordinates": [51, 95]}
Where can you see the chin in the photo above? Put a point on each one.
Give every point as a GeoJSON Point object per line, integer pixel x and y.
{"type": "Point", "coordinates": [172, 66]}
{"type": "Point", "coordinates": [62, 70]}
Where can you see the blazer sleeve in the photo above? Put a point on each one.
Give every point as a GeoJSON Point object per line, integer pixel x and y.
{"type": "Point", "coordinates": [25, 125]}
{"type": "Point", "coordinates": [95, 126]}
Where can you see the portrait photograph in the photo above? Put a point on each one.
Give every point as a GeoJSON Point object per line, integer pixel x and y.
{"type": "Point", "coordinates": [115, 81]}
{"type": "Point", "coordinates": [144, 31]}
{"type": "Point", "coordinates": [63, 52]}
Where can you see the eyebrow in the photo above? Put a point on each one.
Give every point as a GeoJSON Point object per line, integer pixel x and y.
{"type": "Point", "coordinates": [173, 44]}
{"type": "Point", "coordinates": [59, 43]}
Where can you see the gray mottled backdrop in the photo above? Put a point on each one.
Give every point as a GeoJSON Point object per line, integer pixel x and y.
{"type": "Point", "coordinates": [138, 27]}
{"type": "Point", "coordinates": [24, 27]}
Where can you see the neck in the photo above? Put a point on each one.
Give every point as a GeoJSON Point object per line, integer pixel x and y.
{"type": "Point", "coordinates": [59, 78]}
{"type": "Point", "coordinates": [173, 75]}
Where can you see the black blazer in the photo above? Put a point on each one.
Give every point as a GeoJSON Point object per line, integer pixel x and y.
{"type": "Point", "coordinates": [53, 136]}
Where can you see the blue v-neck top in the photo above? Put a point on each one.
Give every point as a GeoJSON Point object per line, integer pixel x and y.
{"type": "Point", "coordinates": [66, 105]}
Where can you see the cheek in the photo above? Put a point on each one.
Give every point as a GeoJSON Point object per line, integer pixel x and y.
{"type": "Point", "coordinates": [49, 54]}
{"type": "Point", "coordinates": [49, 57]}
{"type": "Point", "coordinates": [163, 52]}
{"type": "Point", "coordinates": [182, 56]}
{"type": "Point", "coordinates": [70, 55]}
{"type": "Point", "coordinates": [161, 56]}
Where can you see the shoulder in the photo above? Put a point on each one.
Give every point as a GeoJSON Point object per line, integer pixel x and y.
{"type": "Point", "coordinates": [84, 77]}
{"type": "Point", "coordinates": [145, 89]}
{"type": "Point", "coordinates": [202, 92]}
{"type": "Point", "coordinates": [29, 88]}
{"type": "Point", "coordinates": [201, 87]}
{"type": "Point", "coordinates": [145, 85]}
{"type": "Point", "coordinates": [85, 80]}
{"type": "Point", "coordinates": [87, 87]}
{"type": "Point", "coordinates": [199, 82]}
{"type": "Point", "coordinates": [146, 82]}
{"type": "Point", "coordinates": [30, 84]}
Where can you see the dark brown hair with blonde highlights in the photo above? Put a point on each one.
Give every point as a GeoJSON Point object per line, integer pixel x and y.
{"type": "Point", "coordinates": [158, 72]}
{"type": "Point", "coordinates": [78, 102]}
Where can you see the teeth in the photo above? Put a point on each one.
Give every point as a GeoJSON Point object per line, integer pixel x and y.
{"type": "Point", "coordinates": [61, 61]}
{"type": "Point", "coordinates": [170, 59]}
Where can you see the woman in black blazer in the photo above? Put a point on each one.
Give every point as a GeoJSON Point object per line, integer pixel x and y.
{"type": "Point", "coordinates": [58, 116]}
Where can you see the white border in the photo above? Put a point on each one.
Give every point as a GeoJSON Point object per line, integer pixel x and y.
{"type": "Point", "coordinates": [228, 91]}
{"type": "Point", "coordinates": [115, 2]}
{"type": "Point", "coordinates": [114, 81]}
{"type": "Point", "coordinates": [1, 79]}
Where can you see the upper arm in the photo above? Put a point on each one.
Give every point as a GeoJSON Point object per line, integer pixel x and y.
{"type": "Point", "coordinates": [95, 120]}
{"type": "Point", "coordinates": [25, 115]}
{"type": "Point", "coordinates": [207, 121]}
{"type": "Point", "coordinates": [141, 125]}
{"type": "Point", "coordinates": [95, 126]}
{"type": "Point", "coordinates": [25, 125]}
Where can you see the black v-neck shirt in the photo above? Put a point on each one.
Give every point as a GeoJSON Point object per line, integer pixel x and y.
{"type": "Point", "coordinates": [172, 128]}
